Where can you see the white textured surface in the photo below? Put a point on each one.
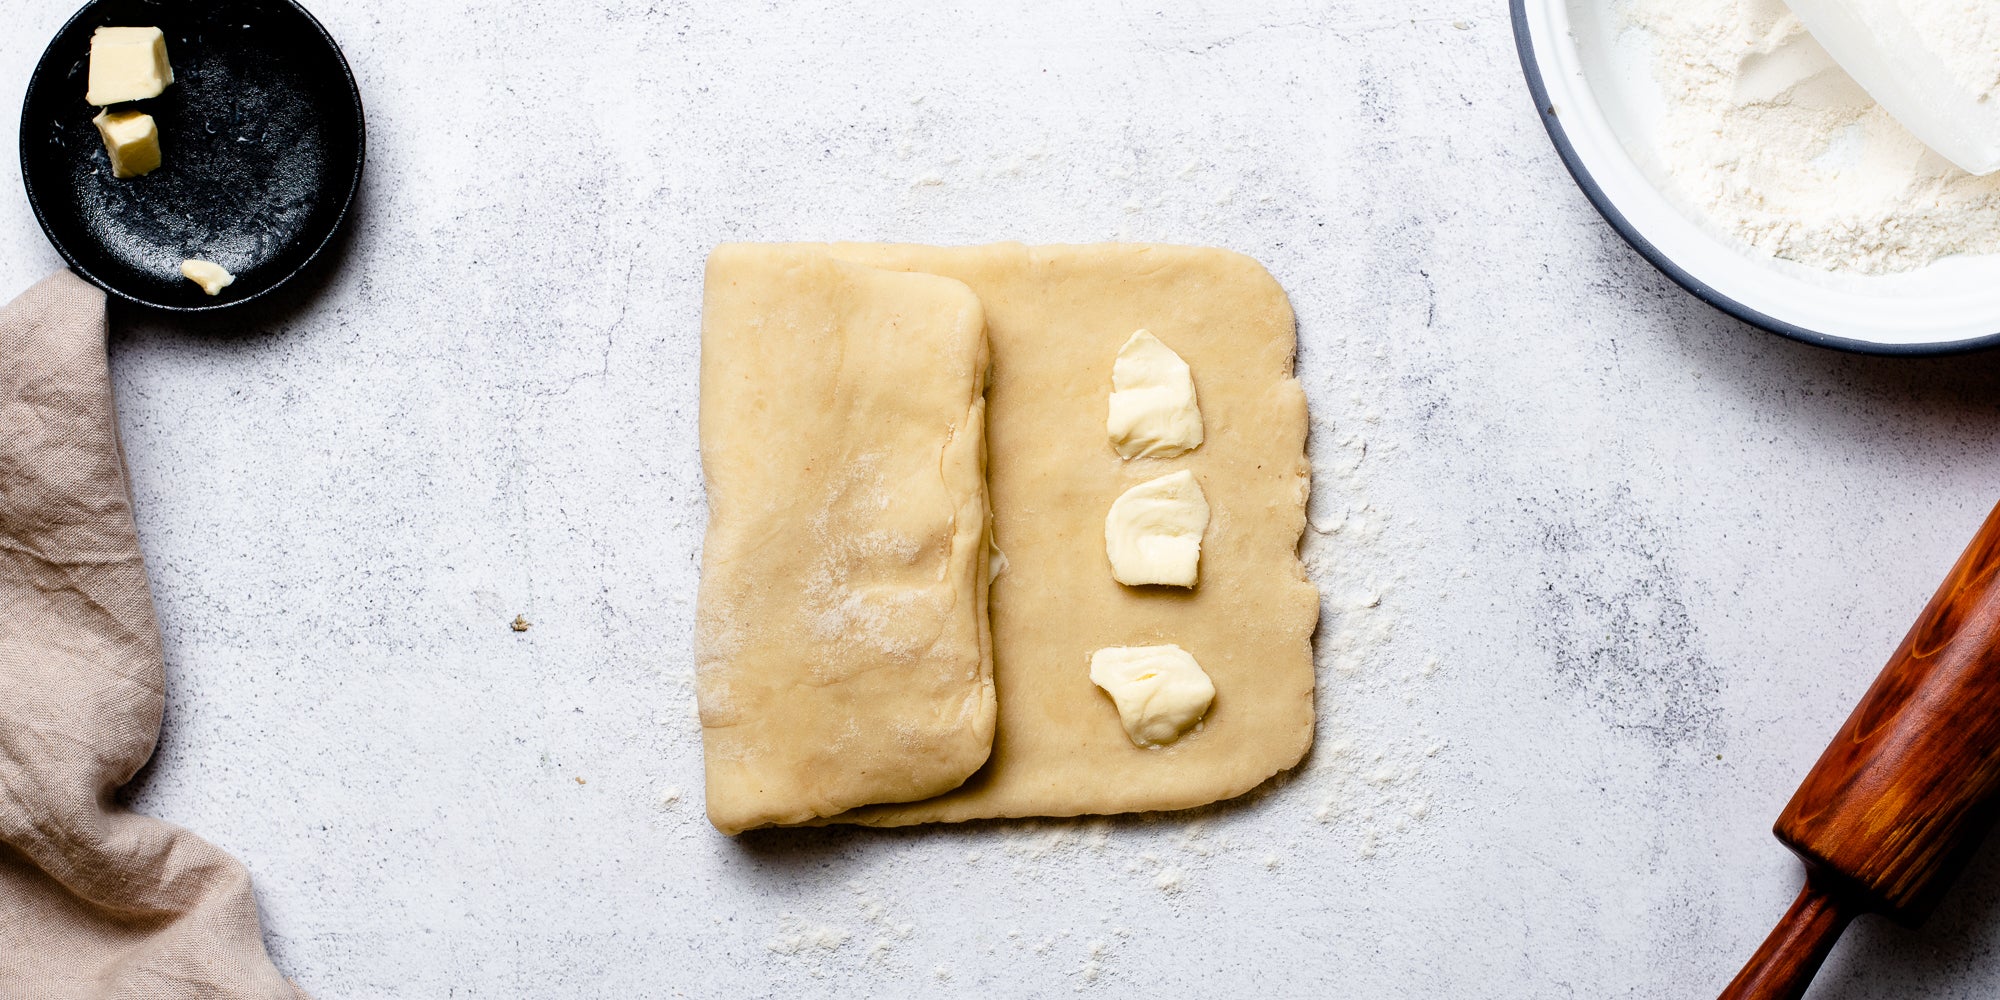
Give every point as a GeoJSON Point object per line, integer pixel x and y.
{"type": "Point", "coordinates": [1634, 561]}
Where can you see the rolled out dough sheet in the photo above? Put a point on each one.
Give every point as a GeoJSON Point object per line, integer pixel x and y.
{"type": "Point", "coordinates": [1056, 317]}
{"type": "Point", "coordinates": [842, 649]}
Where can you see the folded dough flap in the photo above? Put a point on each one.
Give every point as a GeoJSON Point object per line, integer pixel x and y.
{"type": "Point", "coordinates": [843, 652]}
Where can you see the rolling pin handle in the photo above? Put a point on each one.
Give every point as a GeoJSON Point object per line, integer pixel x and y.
{"type": "Point", "coordinates": [1786, 963]}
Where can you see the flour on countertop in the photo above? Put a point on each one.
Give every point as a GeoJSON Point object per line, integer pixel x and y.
{"type": "Point", "coordinates": [1364, 779]}
{"type": "Point", "coordinates": [1768, 138]}
{"type": "Point", "coordinates": [802, 937]}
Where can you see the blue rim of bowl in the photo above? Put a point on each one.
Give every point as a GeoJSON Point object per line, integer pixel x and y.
{"type": "Point", "coordinates": [1524, 43]}
{"type": "Point", "coordinates": [340, 221]}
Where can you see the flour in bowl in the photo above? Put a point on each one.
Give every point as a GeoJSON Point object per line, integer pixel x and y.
{"type": "Point", "coordinates": [1765, 136]}
{"type": "Point", "coordinates": [1966, 36]}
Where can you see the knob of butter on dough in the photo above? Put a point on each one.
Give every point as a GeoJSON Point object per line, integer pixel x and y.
{"type": "Point", "coordinates": [1153, 533]}
{"type": "Point", "coordinates": [212, 277]}
{"type": "Point", "coordinates": [1153, 411]}
{"type": "Point", "coordinates": [1160, 691]}
{"type": "Point", "coordinates": [131, 140]}
{"type": "Point", "coordinates": [127, 64]}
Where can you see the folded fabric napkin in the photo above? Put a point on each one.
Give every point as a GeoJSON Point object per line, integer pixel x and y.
{"type": "Point", "coordinates": [95, 900]}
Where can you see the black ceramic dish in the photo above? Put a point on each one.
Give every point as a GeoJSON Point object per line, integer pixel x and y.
{"type": "Point", "coordinates": [262, 141]}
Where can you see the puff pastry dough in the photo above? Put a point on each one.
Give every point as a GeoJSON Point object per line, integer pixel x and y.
{"type": "Point", "coordinates": [842, 653]}
{"type": "Point", "coordinates": [1055, 317]}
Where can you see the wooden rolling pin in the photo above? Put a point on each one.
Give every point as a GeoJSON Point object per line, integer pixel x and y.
{"type": "Point", "coordinates": [1906, 791]}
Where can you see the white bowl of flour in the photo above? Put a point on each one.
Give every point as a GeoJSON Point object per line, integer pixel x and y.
{"type": "Point", "coordinates": [1727, 146]}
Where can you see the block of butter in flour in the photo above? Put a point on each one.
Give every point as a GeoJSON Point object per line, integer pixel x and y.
{"type": "Point", "coordinates": [843, 655]}
{"type": "Point", "coordinates": [127, 64]}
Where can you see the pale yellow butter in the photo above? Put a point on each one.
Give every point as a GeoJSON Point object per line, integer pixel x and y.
{"type": "Point", "coordinates": [1160, 691]}
{"type": "Point", "coordinates": [1153, 533]}
{"type": "Point", "coordinates": [212, 277]}
{"type": "Point", "coordinates": [131, 140]}
{"type": "Point", "coordinates": [127, 64]}
{"type": "Point", "coordinates": [1153, 413]}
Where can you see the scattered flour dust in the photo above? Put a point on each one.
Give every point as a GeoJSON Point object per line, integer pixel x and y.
{"type": "Point", "coordinates": [1765, 135]}
{"type": "Point", "coordinates": [822, 947]}
{"type": "Point", "coordinates": [1034, 840]}
{"type": "Point", "coordinates": [801, 939]}
{"type": "Point", "coordinates": [1365, 780]}
{"type": "Point", "coordinates": [1093, 963]}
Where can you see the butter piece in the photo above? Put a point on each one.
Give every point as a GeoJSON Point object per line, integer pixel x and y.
{"type": "Point", "coordinates": [131, 140]}
{"type": "Point", "coordinates": [1153, 533]}
{"type": "Point", "coordinates": [127, 64]}
{"type": "Point", "coordinates": [1160, 691]}
{"type": "Point", "coordinates": [212, 277]}
{"type": "Point", "coordinates": [1153, 410]}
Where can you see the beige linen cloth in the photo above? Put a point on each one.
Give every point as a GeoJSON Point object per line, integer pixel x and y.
{"type": "Point", "coordinates": [95, 900]}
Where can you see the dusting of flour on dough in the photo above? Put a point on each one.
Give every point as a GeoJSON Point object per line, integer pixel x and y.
{"type": "Point", "coordinates": [873, 616]}
{"type": "Point", "coordinates": [1765, 136]}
